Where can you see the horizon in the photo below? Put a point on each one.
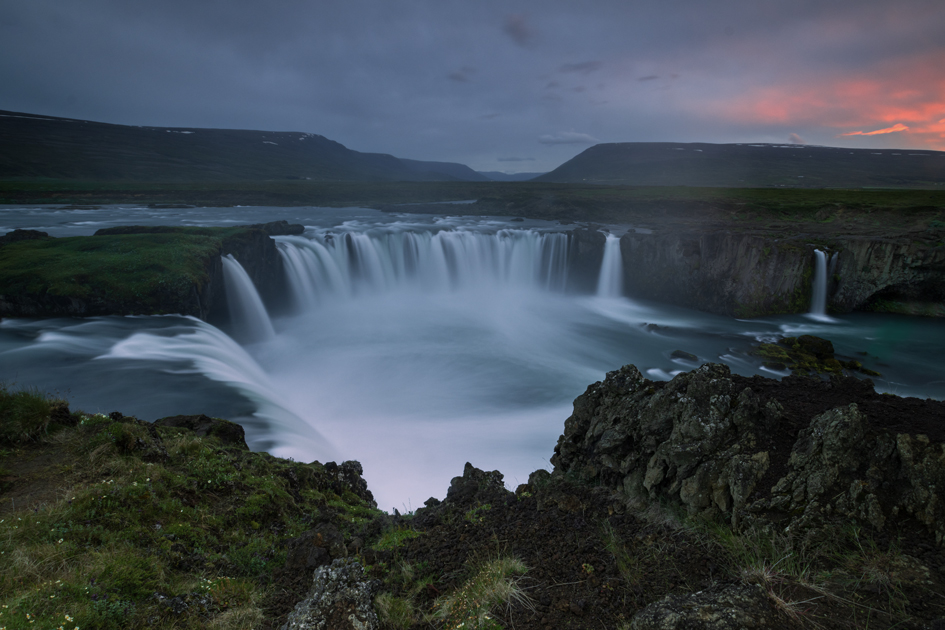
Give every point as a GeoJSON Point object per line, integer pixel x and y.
{"type": "Point", "coordinates": [495, 84]}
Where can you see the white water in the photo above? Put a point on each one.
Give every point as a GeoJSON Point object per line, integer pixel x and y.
{"type": "Point", "coordinates": [413, 345]}
{"type": "Point", "coordinates": [610, 283]}
{"type": "Point", "coordinates": [818, 300]}
{"type": "Point", "coordinates": [250, 321]}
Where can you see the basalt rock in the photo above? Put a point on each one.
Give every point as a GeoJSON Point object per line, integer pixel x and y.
{"type": "Point", "coordinates": [720, 607]}
{"type": "Point", "coordinates": [340, 599]}
{"type": "Point", "coordinates": [315, 548]}
{"type": "Point", "coordinates": [704, 442]}
{"type": "Point", "coordinates": [347, 478]}
{"type": "Point", "coordinates": [747, 275]}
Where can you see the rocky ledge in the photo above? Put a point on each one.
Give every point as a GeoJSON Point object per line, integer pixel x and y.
{"type": "Point", "coordinates": [797, 455]}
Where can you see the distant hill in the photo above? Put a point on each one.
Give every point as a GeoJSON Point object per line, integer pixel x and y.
{"type": "Point", "coordinates": [498, 176]}
{"type": "Point", "coordinates": [445, 170]}
{"type": "Point", "coordinates": [33, 146]}
{"type": "Point", "coordinates": [751, 165]}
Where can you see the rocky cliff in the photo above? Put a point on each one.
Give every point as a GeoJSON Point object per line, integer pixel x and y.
{"type": "Point", "coordinates": [800, 454]}
{"type": "Point", "coordinates": [748, 274]}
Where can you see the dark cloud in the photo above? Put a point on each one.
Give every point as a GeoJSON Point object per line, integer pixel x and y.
{"type": "Point", "coordinates": [517, 27]}
{"type": "Point", "coordinates": [515, 159]}
{"type": "Point", "coordinates": [585, 67]}
{"type": "Point", "coordinates": [463, 75]}
{"type": "Point", "coordinates": [649, 77]}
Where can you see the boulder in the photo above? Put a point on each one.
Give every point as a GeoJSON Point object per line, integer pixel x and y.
{"type": "Point", "coordinates": [340, 599]}
{"type": "Point", "coordinates": [720, 607]}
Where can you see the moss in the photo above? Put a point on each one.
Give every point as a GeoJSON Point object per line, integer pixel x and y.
{"type": "Point", "coordinates": [806, 355]}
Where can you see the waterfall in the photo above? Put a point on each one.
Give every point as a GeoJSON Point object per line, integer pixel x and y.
{"type": "Point", "coordinates": [249, 318]}
{"type": "Point", "coordinates": [339, 266]}
{"type": "Point", "coordinates": [610, 282]}
{"type": "Point", "coordinates": [818, 300]}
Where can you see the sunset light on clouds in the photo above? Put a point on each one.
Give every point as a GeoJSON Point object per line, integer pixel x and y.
{"type": "Point", "coordinates": [895, 128]}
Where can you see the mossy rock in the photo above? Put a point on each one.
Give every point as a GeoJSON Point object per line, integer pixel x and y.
{"type": "Point", "coordinates": [806, 355]}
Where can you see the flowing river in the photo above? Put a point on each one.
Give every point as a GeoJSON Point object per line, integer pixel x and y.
{"type": "Point", "coordinates": [411, 343]}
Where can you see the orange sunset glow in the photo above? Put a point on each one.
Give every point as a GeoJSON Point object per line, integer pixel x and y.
{"type": "Point", "coordinates": [906, 99]}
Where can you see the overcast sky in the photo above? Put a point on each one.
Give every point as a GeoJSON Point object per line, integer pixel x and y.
{"type": "Point", "coordinates": [498, 85]}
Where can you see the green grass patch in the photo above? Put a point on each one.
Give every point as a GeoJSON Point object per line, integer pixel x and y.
{"type": "Point", "coordinates": [124, 538]}
{"type": "Point", "coordinates": [148, 270]}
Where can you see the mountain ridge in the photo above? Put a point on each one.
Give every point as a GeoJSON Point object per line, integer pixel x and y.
{"type": "Point", "coordinates": [747, 165]}
{"type": "Point", "coordinates": [34, 146]}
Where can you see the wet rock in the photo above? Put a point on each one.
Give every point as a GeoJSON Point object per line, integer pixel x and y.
{"type": "Point", "coordinates": [685, 356]}
{"type": "Point", "coordinates": [227, 432]}
{"type": "Point", "coordinates": [719, 607]}
{"type": "Point", "coordinates": [340, 599]}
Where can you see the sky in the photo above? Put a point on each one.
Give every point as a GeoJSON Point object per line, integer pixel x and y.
{"type": "Point", "coordinates": [500, 85]}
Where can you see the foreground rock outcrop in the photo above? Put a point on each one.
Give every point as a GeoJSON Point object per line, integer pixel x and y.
{"type": "Point", "coordinates": [724, 446]}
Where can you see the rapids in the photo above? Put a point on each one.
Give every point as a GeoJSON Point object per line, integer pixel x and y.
{"type": "Point", "coordinates": [410, 343]}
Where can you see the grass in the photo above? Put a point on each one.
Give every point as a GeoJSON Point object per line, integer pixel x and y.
{"type": "Point", "coordinates": [25, 413]}
{"type": "Point", "coordinates": [127, 542]}
{"type": "Point", "coordinates": [495, 584]}
{"type": "Point", "coordinates": [147, 269]}
{"type": "Point", "coordinates": [154, 272]}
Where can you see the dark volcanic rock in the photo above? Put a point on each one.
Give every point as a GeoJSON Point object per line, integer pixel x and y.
{"type": "Point", "coordinates": [347, 478]}
{"type": "Point", "coordinates": [743, 449]}
{"type": "Point", "coordinates": [719, 607]}
{"type": "Point", "coordinates": [340, 599]}
{"type": "Point", "coordinates": [315, 548]}
{"type": "Point", "coordinates": [278, 228]}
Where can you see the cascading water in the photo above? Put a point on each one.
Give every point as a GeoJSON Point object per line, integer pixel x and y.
{"type": "Point", "coordinates": [350, 264]}
{"type": "Point", "coordinates": [610, 283]}
{"type": "Point", "coordinates": [249, 319]}
{"type": "Point", "coordinates": [818, 301]}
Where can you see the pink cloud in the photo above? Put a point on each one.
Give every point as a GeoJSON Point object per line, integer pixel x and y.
{"type": "Point", "coordinates": [908, 95]}
{"type": "Point", "coordinates": [895, 128]}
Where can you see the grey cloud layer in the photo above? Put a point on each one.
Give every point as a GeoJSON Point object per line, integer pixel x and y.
{"type": "Point", "coordinates": [447, 80]}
